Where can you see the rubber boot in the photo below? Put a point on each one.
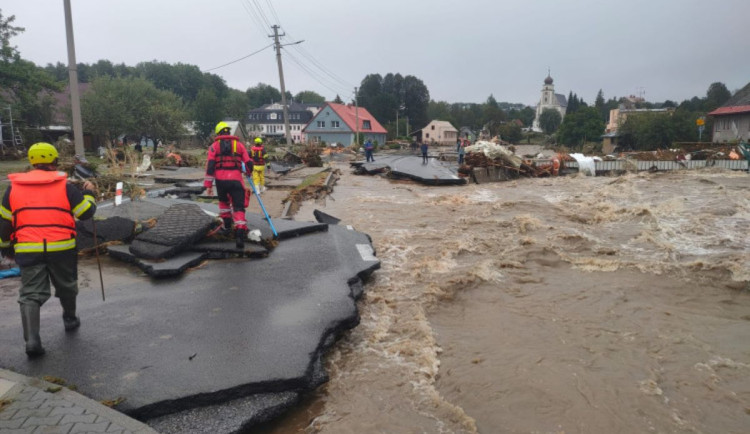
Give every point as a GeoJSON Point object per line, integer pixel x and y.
{"type": "Point", "coordinates": [70, 320]}
{"type": "Point", "coordinates": [30, 321]}
{"type": "Point", "coordinates": [227, 229]}
{"type": "Point", "coordinates": [241, 235]}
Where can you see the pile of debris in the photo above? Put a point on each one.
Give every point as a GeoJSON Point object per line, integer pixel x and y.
{"type": "Point", "coordinates": [485, 154]}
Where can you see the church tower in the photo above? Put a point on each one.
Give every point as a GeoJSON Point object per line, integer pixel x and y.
{"type": "Point", "coordinates": [549, 100]}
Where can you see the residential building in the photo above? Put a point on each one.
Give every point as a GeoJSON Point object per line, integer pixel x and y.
{"type": "Point", "coordinates": [337, 123]}
{"type": "Point", "coordinates": [440, 132]}
{"type": "Point", "coordinates": [467, 133]}
{"type": "Point", "coordinates": [268, 121]}
{"type": "Point", "coordinates": [617, 118]}
{"type": "Point", "coordinates": [732, 120]}
{"type": "Point", "coordinates": [549, 100]}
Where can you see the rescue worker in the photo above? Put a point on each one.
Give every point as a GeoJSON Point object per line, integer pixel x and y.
{"type": "Point", "coordinates": [38, 227]}
{"type": "Point", "coordinates": [226, 156]}
{"type": "Point", "coordinates": [259, 156]}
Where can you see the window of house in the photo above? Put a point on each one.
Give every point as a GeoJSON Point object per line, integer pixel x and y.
{"type": "Point", "coordinates": [433, 127]}
{"type": "Point", "coordinates": [335, 124]}
{"type": "Point", "coordinates": [427, 135]}
{"type": "Point", "coordinates": [366, 125]}
{"type": "Point", "coordinates": [272, 116]}
{"type": "Point", "coordinates": [321, 124]}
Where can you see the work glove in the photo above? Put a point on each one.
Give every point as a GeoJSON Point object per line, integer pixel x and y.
{"type": "Point", "coordinates": [209, 191]}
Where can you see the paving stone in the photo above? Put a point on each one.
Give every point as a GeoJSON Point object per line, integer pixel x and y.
{"type": "Point", "coordinates": [9, 413]}
{"type": "Point", "coordinates": [89, 427]}
{"type": "Point", "coordinates": [67, 410]}
{"type": "Point", "coordinates": [78, 418]}
{"type": "Point", "coordinates": [34, 412]}
{"type": "Point", "coordinates": [57, 429]}
{"type": "Point", "coordinates": [36, 421]}
{"type": "Point", "coordinates": [10, 424]}
{"type": "Point", "coordinates": [19, 431]}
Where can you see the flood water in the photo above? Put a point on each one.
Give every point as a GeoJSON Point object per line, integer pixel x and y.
{"type": "Point", "coordinates": [556, 305]}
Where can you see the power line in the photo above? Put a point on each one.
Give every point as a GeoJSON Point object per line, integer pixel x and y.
{"type": "Point", "coordinates": [317, 77]}
{"type": "Point", "coordinates": [241, 58]}
{"type": "Point", "coordinates": [320, 66]}
{"type": "Point", "coordinates": [255, 10]}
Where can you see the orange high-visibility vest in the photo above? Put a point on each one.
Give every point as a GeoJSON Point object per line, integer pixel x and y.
{"type": "Point", "coordinates": [42, 216]}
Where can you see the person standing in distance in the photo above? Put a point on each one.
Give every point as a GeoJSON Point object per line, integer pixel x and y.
{"type": "Point", "coordinates": [38, 227]}
{"type": "Point", "coordinates": [424, 148]}
{"type": "Point", "coordinates": [369, 148]}
{"type": "Point", "coordinates": [224, 166]}
{"type": "Point", "coordinates": [259, 156]}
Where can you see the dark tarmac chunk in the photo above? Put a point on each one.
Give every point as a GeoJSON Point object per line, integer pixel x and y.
{"type": "Point", "coordinates": [409, 166]}
{"type": "Point", "coordinates": [159, 268]}
{"type": "Point", "coordinates": [226, 332]}
{"type": "Point", "coordinates": [110, 229]}
{"type": "Point", "coordinates": [180, 226]}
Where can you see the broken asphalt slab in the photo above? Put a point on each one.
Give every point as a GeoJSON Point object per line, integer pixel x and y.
{"type": "Point", "coordinates": [433, 172]}
{"type": "Point", "coordinates": [222, 333]}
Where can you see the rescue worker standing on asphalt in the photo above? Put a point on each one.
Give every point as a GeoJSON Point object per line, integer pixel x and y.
{"type": "Point", "coordinates": [225, 157]}
{"type": "Point", "coordinates": [38, 227]}
{"type": "Point", "coordinates": [259, 155]}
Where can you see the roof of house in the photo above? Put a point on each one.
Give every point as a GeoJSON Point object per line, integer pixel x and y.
{"type": "Point", "coordinates": [730, 110]}
{"type": "Point", "coordinates": [738, 103]}
{"type": "Point", "coordinates": [445, 125]}
{"type": "Point", "coordinates": [349, 113]}
{"type": "Point", "coordinates": [561, 99]}
{"type": "Point", "coordinates": [62, 102]}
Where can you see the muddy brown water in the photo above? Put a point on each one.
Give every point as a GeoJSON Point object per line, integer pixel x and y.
{"type": "Point", "coordinates": [574, 304]}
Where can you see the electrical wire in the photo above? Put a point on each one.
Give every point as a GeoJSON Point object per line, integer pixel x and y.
{"type": "Point", "coordinates": [241, 58]}
{"type": "Point", "coordinates": [332, 86]}
{"type": "Point", "coordinates": [255, 10]}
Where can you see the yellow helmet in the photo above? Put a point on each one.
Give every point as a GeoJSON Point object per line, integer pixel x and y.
{"type": "Point", "coordinates": [258, 140]}
{"type": "Point", "coordinates": [220, 126]}
{"type": "Point", "coordinates": [42, 153]}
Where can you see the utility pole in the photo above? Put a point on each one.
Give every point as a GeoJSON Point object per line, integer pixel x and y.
{"type": "Point", "coordinates": [75, 98]}
{"type": "Point", "coordinates": [281, 80]}
{"type": "Point", "coordinates": [356, 105]}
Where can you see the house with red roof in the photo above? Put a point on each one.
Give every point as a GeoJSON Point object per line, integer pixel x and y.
{"type": "Point", "coordinates": [732, 120]}
{"type": "Point", "coordinates": [337, 123]}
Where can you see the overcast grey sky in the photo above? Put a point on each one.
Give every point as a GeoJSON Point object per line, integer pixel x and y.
{"type": "Point", "coordinates": [462, 50]}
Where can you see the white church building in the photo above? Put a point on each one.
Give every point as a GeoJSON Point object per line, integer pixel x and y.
{"type": "Point", "coordinates": [549, 100]}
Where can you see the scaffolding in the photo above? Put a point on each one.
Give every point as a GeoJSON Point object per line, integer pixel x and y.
{"type": "Point", "coordinates": [9, 133]}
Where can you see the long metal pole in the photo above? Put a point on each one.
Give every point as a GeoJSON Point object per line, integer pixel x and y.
{"type": "Point", "coordinates": [281, 80]}
{"type": "Point", "coordinates": [98, 261]}
{"type": "Point", "coordinates": [356, 104]}
{"type": "Point", "coordinates": [75, 100]}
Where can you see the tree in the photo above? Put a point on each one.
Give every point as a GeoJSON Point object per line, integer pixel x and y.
{"type": "Point", "coordinates": [383, 97]}
{"type": "Point", "coordinates": [262, 94]}
{"type": "Point", "coordinates": [581, 126]}
{"type": "Point", "coordinates": [24, 85]}
{"type": "Point", "coordinates": [550, 120]}
{"type": "Point", "coordinates": [492, 116]}
{"type": "Point", "coordinates": [510, 132]}
{"type": "Point", "coordinates": [310, 97]}
{"type": "Point", "coordinates": [657, 130]}
{"type": "Point", "coordinates": [207, 112]}
{"type": "Point", "coordinates": [132, 105]}
{"type": "Point", "coordinates": [600, 105]}
{"type": "Point", "coordinates": [338, 100]}
{"type": "Point", "coordinates": [716, 95]}
{"type": "Point", "coordinates": [236, 105]}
